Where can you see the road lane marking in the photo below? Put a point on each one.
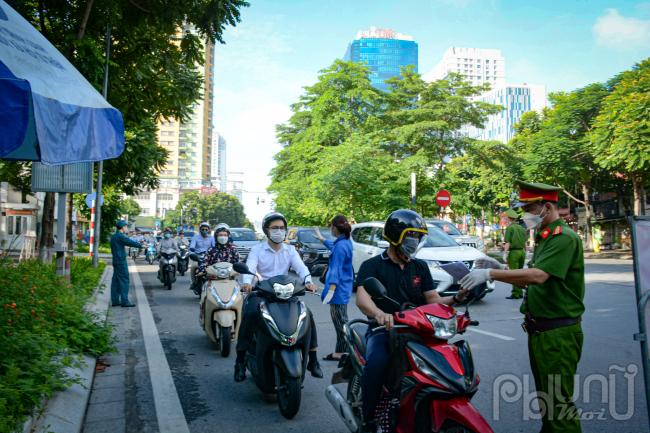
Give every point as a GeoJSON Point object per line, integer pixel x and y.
{"type": "Point", "coordinates": [491, 334]}
{"type": "Point", "coordinates": [169, 411]}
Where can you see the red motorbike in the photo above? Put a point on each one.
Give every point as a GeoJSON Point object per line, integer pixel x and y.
{"type": "Point", "coordinates": [433, 380]}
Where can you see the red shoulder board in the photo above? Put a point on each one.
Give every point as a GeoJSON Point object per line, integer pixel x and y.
{"type": "Point", "coordinates": [544, 233]}
{"type": "Point", "coordinates": [557, 230]}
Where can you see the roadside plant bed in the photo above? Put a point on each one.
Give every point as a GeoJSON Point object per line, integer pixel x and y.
{"type": "Point", "coordinates": [84, 248]}
{"type": "Point", "coordinates": [44, 328]}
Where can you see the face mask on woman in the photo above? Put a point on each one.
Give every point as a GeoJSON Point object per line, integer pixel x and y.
{"type": "Point", "coordinates": [223, 240]}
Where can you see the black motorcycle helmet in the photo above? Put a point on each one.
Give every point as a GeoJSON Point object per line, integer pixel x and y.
{"type": "Point", "coordinates": [269, 218]}
{"type": "Point", "coordinates": [400, 222]}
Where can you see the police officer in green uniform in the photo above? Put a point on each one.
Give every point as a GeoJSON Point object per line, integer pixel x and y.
{"type": "Point", "coordinates": [120, 282]}
{"type": "Point", "coordinates": [553, 304]}
{"type": "Point", "coordinates": [514, 249]}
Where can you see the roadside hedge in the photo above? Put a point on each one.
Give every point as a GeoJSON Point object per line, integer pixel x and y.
{"type": "Point", "coordinates": [44, 328]}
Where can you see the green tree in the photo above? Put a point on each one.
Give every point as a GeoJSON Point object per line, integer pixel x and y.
{"type": "Point", "coordinates": [153, 71]}
{"type": "Point", "coordinates": [130, 207]}
{"type": "Point", "coordinates": [483, 177]}
{"type": "Point", "coordinates": [621, 133]}
{"type": "Point", "coordinates": [560, 151]}
{"type": "Point", "coordinates": [214, 208]}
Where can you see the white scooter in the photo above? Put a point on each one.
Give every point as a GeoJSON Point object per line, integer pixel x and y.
{"type": "Point", "coordinates": [221, 306]}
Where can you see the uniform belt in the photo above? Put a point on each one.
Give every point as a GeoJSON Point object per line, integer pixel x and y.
{"type": "Point", "coordinates": [533, 325]}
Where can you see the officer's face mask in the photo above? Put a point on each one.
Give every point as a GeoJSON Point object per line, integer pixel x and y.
{"type": "Point", "coordinates": [411, 245]}
{"type": "Point", "coordinates": [277, 235]}
{"type": "Point", "coordinates": [167, 235]}
{"type": "Point", "coordinates": [223, 240]}
{"type": "Point", "coordinates": [533, 221]}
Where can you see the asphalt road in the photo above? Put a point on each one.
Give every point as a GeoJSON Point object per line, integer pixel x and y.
{"type": "Point", "coordinates": [610, 369]}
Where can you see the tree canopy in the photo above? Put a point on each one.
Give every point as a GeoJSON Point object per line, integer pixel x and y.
{"type": "Point", "coordinates": [214, 208]}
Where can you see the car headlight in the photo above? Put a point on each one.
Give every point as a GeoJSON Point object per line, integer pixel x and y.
{"type": "Point", "coordinates": [283, 291]}
{"type": "Point", "coordinates": [443, 329]}
{"type": "Point", "coordinates": [434, 264]}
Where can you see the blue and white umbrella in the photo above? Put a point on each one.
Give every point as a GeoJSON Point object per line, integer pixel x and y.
{"type": "Point", "coordinates": [48, 111]}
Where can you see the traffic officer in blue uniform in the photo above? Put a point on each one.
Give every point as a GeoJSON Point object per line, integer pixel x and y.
{"type": "Point", "coordinates": [120, 282]}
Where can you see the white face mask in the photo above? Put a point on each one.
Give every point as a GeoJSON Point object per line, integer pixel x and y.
{"type": "Point", "coordinates": [223, 240]}
{"type": "Point", "coordinates": [277, 236]}
{"type": "Point", "coordinates": [533, 221]}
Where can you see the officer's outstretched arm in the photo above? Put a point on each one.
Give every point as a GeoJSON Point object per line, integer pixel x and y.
{"type": "Point", "coordinates": [520, 277]}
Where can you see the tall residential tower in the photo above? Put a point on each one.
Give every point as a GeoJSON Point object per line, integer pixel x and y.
{"type": "Point", "coordinates": [478, 65]}
{"type": "Point", "coordinates": [384, 51]}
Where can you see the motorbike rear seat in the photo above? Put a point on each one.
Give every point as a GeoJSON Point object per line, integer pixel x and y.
{"type": "Point", "coordinates": [358, 334]}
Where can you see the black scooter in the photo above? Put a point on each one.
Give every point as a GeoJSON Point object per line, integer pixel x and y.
{"type": "Point", "coordinates": [183, 259]}
{"type": "Point", "coordinates": [277, 356]}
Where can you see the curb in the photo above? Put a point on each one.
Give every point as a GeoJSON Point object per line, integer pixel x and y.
{"type": "Point", "coordinates": [65, 411]}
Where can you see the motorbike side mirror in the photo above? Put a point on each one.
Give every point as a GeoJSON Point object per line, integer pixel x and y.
{"type": "Point", "coordinates": [374, 288]}
{"type": "Point", "coordinates": [241, 268]}
{"type": "Point", "coordinates": [382, 244]}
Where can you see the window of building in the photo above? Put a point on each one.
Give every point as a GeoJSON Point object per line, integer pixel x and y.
{"type": "Point", "coordinates": [143, 196]}
{"type": "Point", "coordinates": [165, 196]}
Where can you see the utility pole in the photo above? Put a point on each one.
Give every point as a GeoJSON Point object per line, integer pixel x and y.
{"type": "Point", "coordinates": [413, 191]}
{"type": "Point", "coordinates": [100, 165]}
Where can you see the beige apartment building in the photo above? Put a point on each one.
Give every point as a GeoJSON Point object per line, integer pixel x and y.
{"type": "Point", "coordinates": [190, 149]}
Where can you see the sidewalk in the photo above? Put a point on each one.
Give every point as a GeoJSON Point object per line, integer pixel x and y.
{"type": "Point", "coordinates": [121, 399]}
{"type": "Point", "coordinates": [133, 390]}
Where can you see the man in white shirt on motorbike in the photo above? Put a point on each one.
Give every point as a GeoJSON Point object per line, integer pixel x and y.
{"type": "Point", "coordinates": [268, 259]}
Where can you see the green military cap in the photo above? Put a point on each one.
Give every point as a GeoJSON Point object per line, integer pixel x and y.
{"type": "Point", "coordinates": [120, 224]}
{"type": "Point", "coordinates": [511, 213]}
{"type": "Point", "coordinates": [530, 192]}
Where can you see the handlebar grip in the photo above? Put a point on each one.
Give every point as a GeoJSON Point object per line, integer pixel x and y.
{"type": "Point", "coordinates": [473, 323]}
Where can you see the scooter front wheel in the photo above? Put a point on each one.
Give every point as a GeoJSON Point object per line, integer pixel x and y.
{"type": "Point", "coordinates": [289, 395]}
{"type": "Point", "coordinates": [225, 341]}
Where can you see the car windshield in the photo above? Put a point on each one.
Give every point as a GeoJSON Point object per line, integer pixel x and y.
{"type": "Point", "coordinates": [243, 235]}
{"type": "Point", "coordinates": [309, 237]}
{"type": "Point", "coordinates": [448, 228]}
{"type": "Point", "coordinates": [438, 238]}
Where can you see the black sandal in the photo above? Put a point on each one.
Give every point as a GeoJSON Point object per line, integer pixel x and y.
{"type": "Point", "coordinates": [331, 357]}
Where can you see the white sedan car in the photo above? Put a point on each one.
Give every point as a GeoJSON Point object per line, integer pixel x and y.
{"type": "Point", "coordinates": [439, 249]}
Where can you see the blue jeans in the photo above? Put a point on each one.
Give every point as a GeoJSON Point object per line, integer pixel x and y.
{"type": "Point", "coordinates": [377, 357]}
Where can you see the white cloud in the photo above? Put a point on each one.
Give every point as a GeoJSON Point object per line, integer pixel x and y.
{"type": "Point", "coordinates": [613, 30]}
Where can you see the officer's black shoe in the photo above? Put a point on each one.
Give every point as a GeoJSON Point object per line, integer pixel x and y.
{"type": "Point", "coordinates": [314, 368]}
{"type": "Point", "coordinates": [128, 305]}
{"type": "Point", "coordinates": [115, 304]}
{"type": "Point", "coordinates": [240, 372]}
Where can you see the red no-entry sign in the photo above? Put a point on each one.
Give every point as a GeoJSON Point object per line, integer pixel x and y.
{"type": "Point", "coordinates": [443, 198]}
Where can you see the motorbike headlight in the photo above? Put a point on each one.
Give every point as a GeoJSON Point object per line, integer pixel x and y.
{"type": "Point", "coordinates": [223, 273]}
{"type": "Point", "coordinates": [443, 328]}
{"type": "Point", "coordinates": [283, 291]}
{"type": "Point", "coordinates": [221, 303]}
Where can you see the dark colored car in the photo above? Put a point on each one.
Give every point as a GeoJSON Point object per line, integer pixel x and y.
{"type": "Point", "coordinates": [311, 250]}
{"type": "Point", "coordinates": [244, 239]}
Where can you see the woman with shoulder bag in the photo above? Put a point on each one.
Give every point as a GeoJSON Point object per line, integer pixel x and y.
{"type": "Point", "coordinates": [338, 278]}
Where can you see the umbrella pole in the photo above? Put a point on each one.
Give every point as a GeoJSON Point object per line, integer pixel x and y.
{"type": "Point", "coordinates": [100, 165]}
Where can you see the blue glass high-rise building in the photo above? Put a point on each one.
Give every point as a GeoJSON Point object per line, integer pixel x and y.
{"type": "Point", "coordinates": [385, 52]}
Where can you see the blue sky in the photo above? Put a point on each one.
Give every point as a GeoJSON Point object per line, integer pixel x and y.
{"type": "Point", "coordinates": [281, 44]}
